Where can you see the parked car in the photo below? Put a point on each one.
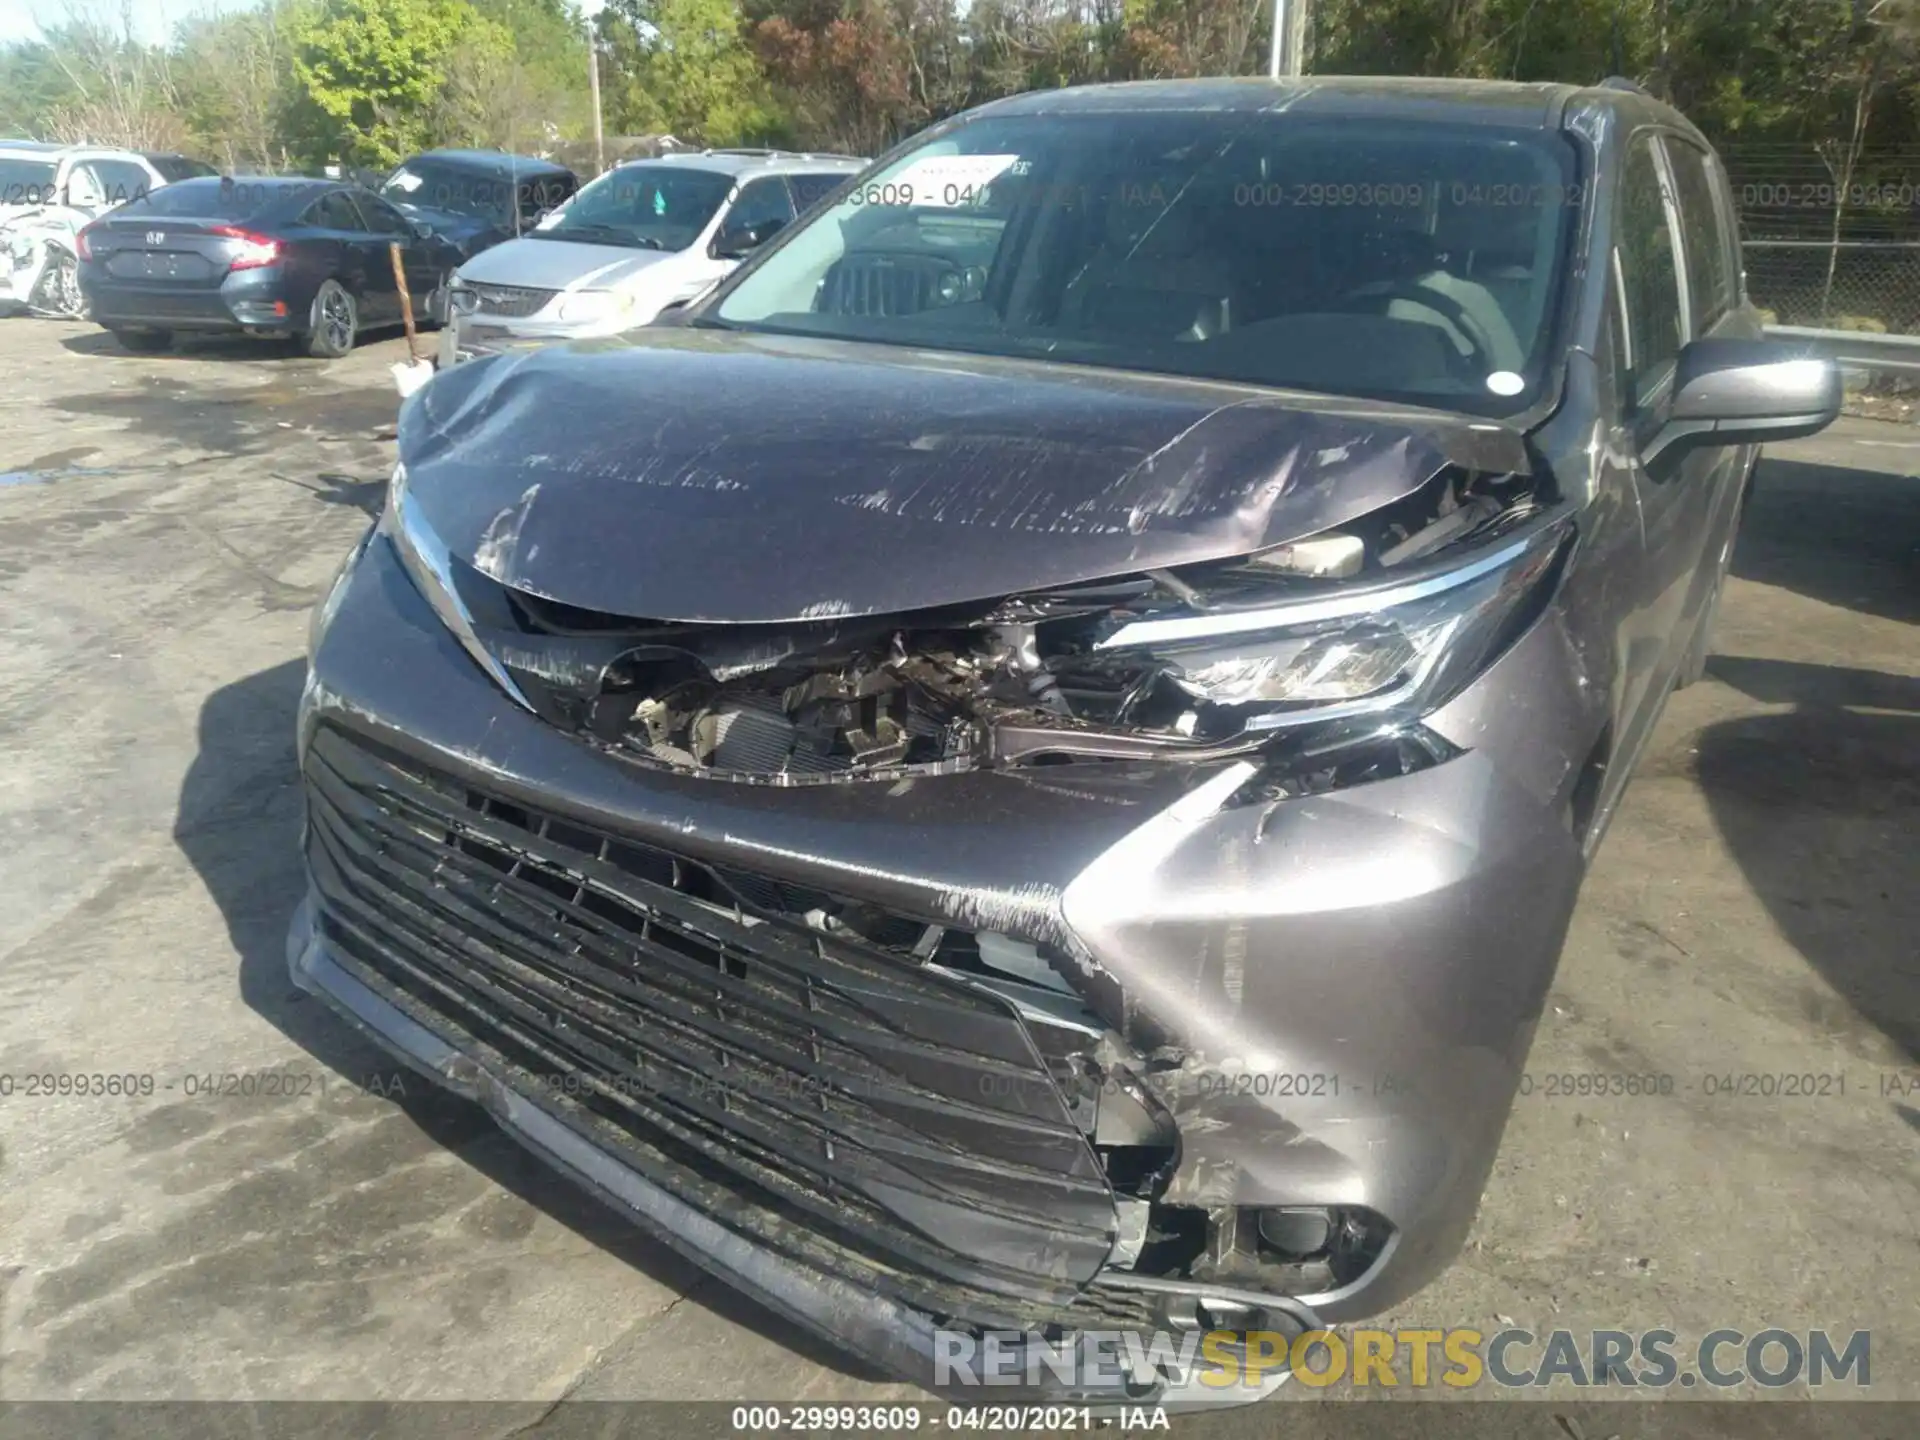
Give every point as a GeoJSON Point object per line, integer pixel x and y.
{"type": "Point", "coordinates": [271, 257]}
{"type": "Point", "coordinates": [645, 235]}
{"type": "Point", "coordinates": [1027, 762]}
{"type": "Point", "coordinates": [47, 193]}
{"type": "Point", "coordinates": [478, 198]}
{"type": "Point", "coordinates": [178, 167]}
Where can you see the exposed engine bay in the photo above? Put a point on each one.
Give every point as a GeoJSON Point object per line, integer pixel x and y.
{"type": "Point", "coordinates": [1030, 679]}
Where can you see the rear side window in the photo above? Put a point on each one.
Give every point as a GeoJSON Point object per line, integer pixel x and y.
{"type": "Point", "coordinates": [120, 180]}
{"type": "Point", "coordinates": [809, 188]}
{"type": "Point", "coordinates": [334, 212]}
{"type": "Point", "coordinates": [1711, 283]}
{"type": "Point", "coordinates": [382, 218]}
{"type": "Point", "coordinates": [761, 202]}
{"type": "Point", "coordinates": [1649, 276]}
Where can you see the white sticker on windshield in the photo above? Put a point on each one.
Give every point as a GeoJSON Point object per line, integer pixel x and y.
{"type": "Point", "coordinates": [945, 181]}
{"type": "Point", "coordinates": [1505, 382]}
{"type": "Point", "coordinates": [407, 181]}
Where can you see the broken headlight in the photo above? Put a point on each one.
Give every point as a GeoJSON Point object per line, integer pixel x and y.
{"type": "Point", "coordinates": [1404, 647]}
{"type": "Point", "coordinates": [433, 572]}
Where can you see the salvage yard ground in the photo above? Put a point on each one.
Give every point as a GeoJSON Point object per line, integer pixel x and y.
{"type": "Point", "coordinates": [167, 522]}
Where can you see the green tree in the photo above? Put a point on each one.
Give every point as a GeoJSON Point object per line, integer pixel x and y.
{"type": "Point", "coordinates": [527, 97]}
{"type": "Point", "coordinates": [374, 69]}
{"type": "Point", "coordinates": [32, 87]}
{"type": "Point", "coordinates": [238, 93]}
{"type": "Point", "coordinates": [684, 67]}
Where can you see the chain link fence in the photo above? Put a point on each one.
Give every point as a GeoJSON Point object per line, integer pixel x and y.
{"type": "Point", "coordinates": [1827, 246]}
{"type": "Point", "coordinates": [1871, 285]}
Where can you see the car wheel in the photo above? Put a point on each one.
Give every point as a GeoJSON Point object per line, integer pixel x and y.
{"type": "Point", "coordinates": [143, 342]}
{"type": "Point", "coordinates": [59, 288]}
{"type": "Point", "coordinates": [333, 323]}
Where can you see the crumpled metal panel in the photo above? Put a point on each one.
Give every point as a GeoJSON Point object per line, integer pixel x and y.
{"type": "Point", "coordinates": [696, 475]}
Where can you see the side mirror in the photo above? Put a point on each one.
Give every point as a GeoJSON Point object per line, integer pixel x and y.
{"type": "Point", "coordinates": [735, 243]}
{"type": "Point", "coordinates": [421, 230]}
{"type": "Point", "coordinates": [1745, 392]}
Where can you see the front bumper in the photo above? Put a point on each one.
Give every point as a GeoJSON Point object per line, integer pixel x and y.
{"type": "Point", "coordinates": [17, 281]}
{"type": "Point", "coordinates": [1353, 977]}
{"type": "Point", "coordinates": [479, 333]}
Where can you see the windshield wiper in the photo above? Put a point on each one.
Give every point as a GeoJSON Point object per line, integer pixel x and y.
{"type": "Point", "coordinates": [585, 229]}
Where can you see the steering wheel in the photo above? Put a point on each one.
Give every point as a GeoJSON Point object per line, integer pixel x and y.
{"type": "Point", "coordinates": [1471, 366]}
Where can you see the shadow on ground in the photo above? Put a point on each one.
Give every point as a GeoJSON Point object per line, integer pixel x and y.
{"type": "Point", "coordinates": [218, 346]}
{"type": "Point", "coordinates": [190, 347]}
{"type": "Point", "coordinates": [1848, 537]}
{"type": "Point", "coordinates": [238, 824]}
{"type": "Point", "coordinates": [238, 420]}
{"type": "Point", "coordinates": [1819, 805]}
{"type": "Point", "coordinates": [1819, 802]}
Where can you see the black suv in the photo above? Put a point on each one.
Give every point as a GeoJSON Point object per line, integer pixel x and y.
{"type": "Point", "coordinates": [1026, 765]}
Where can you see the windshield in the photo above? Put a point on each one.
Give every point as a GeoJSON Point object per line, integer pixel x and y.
{"type": "Point", "coordinates": [1407, 262]}
{"type": "Point", "coordinates": [478, 194]}
{"type": "Point", "coordinates": [649, 207]}
{"type": "Point", "coordinates": [26, 182]}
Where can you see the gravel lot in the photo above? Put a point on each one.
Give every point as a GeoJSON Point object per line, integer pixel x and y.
{"type": "Point", "coordinates": [165, 525]}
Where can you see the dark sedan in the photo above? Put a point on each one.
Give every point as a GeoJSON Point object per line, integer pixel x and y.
{"type": "Point", "coordinates": [278, 257]}
{"type": "Point", "coordinates": [478, 198]}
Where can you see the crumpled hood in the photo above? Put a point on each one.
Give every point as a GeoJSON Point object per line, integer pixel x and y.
{"type": "Point", "coordinates": [559, 264]}
{"type": "Point", "coordinates": [703, 475]}
{"type": "Point", "coordinates": [453, 226]}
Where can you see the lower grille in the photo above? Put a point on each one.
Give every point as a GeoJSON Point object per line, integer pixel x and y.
{"type": "Point", "coordinates": [884, 1122]}
{"type": "Point", "coordinates": [514, 301]}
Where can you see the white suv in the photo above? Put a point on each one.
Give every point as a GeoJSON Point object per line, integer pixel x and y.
{"type": "Point", "coordinates": [643, 236]}
{"type": "Point", "coordinates": [47, 193]}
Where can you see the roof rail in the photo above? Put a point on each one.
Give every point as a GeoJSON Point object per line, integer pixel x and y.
{"type": "Point", "coordinates": [1621, 82]}
{"type": "Point", "coordinates": [772, 154]}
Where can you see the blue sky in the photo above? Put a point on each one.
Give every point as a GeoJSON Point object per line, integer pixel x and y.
{"type": "Point", "coordinates": [152, 19]}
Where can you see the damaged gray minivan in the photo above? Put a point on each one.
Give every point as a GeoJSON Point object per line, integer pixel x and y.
{"type": "Point", "coordinates": [1025, 764]}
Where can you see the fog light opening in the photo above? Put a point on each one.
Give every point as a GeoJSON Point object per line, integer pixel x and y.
{"type": "Point", "coordinates": [1294, 1233]}
{"type": "Point", "coordinates": [1277, 1249]}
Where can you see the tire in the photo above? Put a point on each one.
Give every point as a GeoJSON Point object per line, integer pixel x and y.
{"type": "Point", "coordinates": [143, 342]}
{"type": "Point", "coordinates": [58, 292]}
{"type": "Point", "coordinates": [333, 323]}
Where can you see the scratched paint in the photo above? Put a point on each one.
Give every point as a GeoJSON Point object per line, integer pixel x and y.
{"type": "Point", "coordinates": [675, 461]}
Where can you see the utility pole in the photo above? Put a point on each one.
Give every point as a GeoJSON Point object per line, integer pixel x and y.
{"type": "Point", "coordinates": [593, 84]}
{"type": "Point", "coordinates": [1288, 54]}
